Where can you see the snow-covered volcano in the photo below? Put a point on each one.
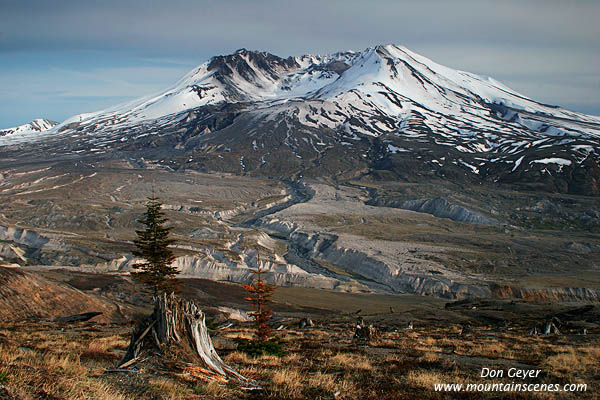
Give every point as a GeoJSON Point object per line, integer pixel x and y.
{"type": "Point", "coordinates": [383, 109]}
{"type": "Point", "coordinates": [389, 79]}
{"type": "Point", "coordinates": [35, 126]}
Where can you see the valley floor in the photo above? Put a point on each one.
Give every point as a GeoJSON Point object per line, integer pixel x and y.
{"type": "Point", "coordinates": [352, 236]}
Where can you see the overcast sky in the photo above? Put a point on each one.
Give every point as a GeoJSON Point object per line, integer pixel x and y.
{"type": "Point", "coordinates": [60, 58]}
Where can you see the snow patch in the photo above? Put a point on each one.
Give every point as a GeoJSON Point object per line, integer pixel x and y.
{"type": "Point", "coordinates": [554, 160]}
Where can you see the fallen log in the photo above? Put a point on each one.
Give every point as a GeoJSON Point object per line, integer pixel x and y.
{"type": "Point", "coordinates": [128, 363]}
{"type": "Point", "coordinates": [225, 326]}
{"type": "Point", "coordinates": [133, 371]}
{"type": "Point", "coordinates": [139, 339]}
{"type": "Point", "coordinates": [77, 317]}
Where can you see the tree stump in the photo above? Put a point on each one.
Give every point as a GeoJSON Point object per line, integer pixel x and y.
{"type": "Point", "coordinates": [365, 332]}
{"type": "Point", "coordinates": [177, 329]}
{"type": "Point", "coordinates": [305, 323]}
{"type": "Point", "coordinates": [551, 328]}
{"type": "Point", "coordinates": [534, 331]}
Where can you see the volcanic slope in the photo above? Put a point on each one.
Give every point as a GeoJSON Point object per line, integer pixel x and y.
{"type": "Point", "coordinates": [22, 131]}
{"type": "Point", "coordinates": [385, 112]}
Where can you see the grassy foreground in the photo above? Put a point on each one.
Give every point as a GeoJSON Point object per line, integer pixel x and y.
{"type": "Point", "coordinates": [49, 361]}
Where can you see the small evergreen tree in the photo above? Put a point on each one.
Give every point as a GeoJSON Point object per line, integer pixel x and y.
{"type": "Point", "coordinates": [153, 246]}
{"type": "Point", "coordinates": [259, 293]}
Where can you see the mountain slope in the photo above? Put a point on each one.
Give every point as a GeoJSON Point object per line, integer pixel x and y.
{"type": "Point", "coordinates": [385, 112]}
{"type": "Point", "coordinates": [27, 295]}
{"type": "Point", "coordinates": [35, 126]}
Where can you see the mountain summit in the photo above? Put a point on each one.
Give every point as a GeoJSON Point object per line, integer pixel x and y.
{"type": "Point", "coordinates": [386, 112]}
{"type": "Point", "coordinates": [37, 125]}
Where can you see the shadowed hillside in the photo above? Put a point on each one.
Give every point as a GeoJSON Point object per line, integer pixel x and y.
{"type": "Point", "coordinates": [24, 295]}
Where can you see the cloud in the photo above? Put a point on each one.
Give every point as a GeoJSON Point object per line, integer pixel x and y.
{"type": "Point", "coordinates": [290, 26]}
{"type": "Point", "coordinates": [67, 87]}
{"type": "Point", "coordinates": [547, 49]}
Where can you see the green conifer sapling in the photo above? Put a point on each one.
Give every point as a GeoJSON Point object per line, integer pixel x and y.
{"type": "Point", "coordinates": [152, 245]}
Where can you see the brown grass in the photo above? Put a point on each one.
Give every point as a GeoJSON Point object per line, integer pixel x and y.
{"type": "Point", "coordinates": [44, 362]}
{"type": "Point", "coordinates": [288, 380]}
{"type": "Point", "coordinates": [98, 351]}
{"type": "Point", "coordinates": [427, 379]}
{"type": "Point", "coordinates": [168, 388]}
{"type": "Point", "coordinates": [51, 376]}
{"type": "Point", "coordinates": [349, 361]}
{"type": "Point", "coordinates": [322, 381]}
{"type": "Point", "coordinates": [238, 358]}
{"type": "Point", "coordinates": [571, 361]}
{"type": "Point", "coordinates": [212, 389]}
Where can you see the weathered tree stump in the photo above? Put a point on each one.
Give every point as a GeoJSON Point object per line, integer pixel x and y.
{"type": "Point", "coordinates": [534, 331]}
{"type": "Point", "coordinates": [305, 323]}
{"type": "Point", "coordinates": [551, 328]}
{"type": "Point", "coordinates": [364, 331]}
{"type": "Point", "coordinates": [177, 327]}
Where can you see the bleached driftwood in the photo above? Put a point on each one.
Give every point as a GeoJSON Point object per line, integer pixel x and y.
{"type": "Point", "coordinates": [179, 322]}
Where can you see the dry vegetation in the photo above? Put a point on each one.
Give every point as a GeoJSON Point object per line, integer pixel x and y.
{"type": "Point", "coordinates": [45, 361]}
